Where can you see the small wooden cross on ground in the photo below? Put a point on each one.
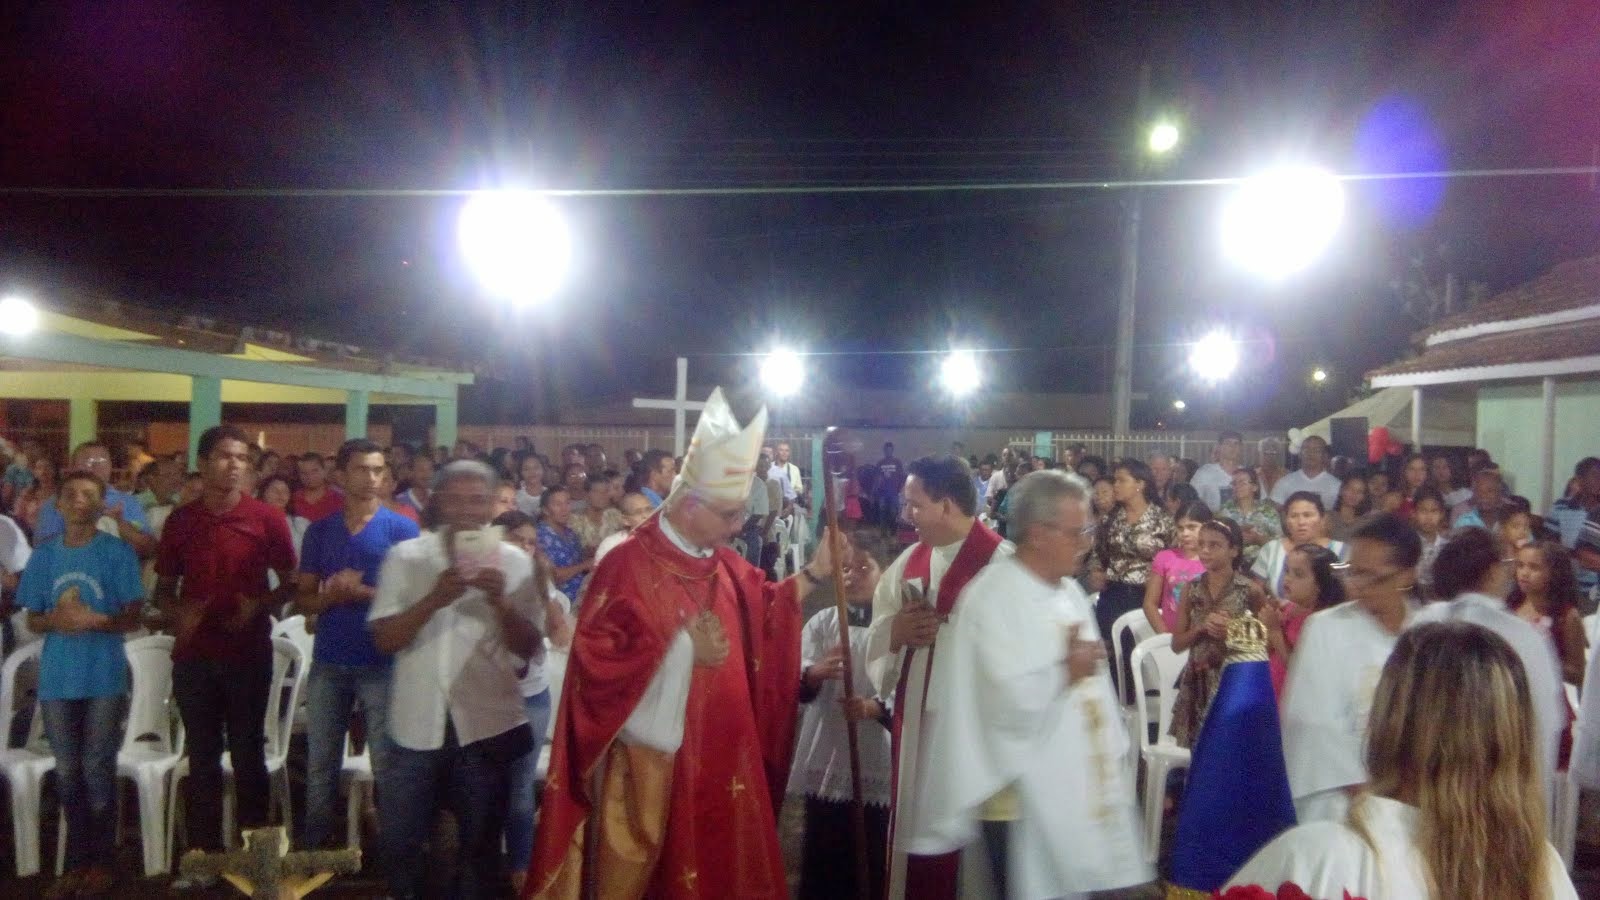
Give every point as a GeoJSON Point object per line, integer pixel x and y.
{"type": "Point", "coordinates": [266, 870]}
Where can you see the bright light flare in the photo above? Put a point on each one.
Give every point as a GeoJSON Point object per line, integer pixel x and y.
{"type": "Point", "coordinates": [18, 317]}
{"type": "Point", "coordinates": [1179, 405]}
{"type": "Point", "coordinates": [959, 373]}
{"type": "Point", "coordinates": [1279, 223]}
{"type": "Point", "coordinates": [1214, 357]}
{"type": "Point", "coordinates": [783, 373]}
{"type": "Point", "coordinates": [516, 243]}
{"type": "Point", "coordinates": [1319, 375]}
{"type": "Point", "coordinates": [1163, 138]}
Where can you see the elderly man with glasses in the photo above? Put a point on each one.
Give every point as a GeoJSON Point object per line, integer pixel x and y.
{"type": "Point", "coordinates": [124, 516]}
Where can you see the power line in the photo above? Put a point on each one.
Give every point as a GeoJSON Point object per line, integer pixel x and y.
{"type": "Point", "coordinates": [769, 189]}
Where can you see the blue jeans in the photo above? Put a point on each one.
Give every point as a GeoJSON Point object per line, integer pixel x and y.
{"type": "Point", "coordinates": [85, 736]}
{"type": "Point", "coordinates": [753, 543]}
{"type": "Point", "coordinates": [524, 795]}
{"type": "Point", "coordinates": [331, 694]}
{"type": "Point", "coordinates": [474, 786]}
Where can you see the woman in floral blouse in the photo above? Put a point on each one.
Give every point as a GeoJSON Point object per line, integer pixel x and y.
{"type": "Point", "coordinates": [1255, 515]}
{"type": "Point", "coordinates": [562, 545]}
{"type": "Point", "coordinates": [1129, 538]}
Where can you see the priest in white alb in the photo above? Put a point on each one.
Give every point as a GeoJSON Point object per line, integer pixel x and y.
{"type": "Point", "coordinates": [1335, 670]}
{"type": "Point", "coordinates": [1028, 741]}
{"type": "Point", "coordinates": [910, 613]}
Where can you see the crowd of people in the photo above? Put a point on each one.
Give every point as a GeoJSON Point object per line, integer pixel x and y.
{"type": "Point", "coordinates": [448, 588]}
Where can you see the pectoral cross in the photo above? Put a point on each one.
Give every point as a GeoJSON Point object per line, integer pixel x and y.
{"type": "Point", "coordinates": [265, 869]}
{"type": "Point", "coordinates": [735, 787]}
{"type": "Point", "coordinates": [688, 878]}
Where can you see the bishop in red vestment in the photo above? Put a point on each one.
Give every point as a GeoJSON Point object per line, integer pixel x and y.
{"type": "Point", "coordinates": [676, 722]}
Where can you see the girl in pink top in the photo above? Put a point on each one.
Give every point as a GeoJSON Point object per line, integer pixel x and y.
{"type": "Point", "coordinates": [1309, 585]}
{"type": "Point", "coordinates": [1175, 567]}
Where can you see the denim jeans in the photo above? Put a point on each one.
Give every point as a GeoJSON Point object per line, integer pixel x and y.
{"type": "Point", "coordinates": [477, 790]}
{"type": "Point", "coordinates": [85, 736]}
{"type": "Point", "coordinates": [223, 701]}
{"type": "Point", "coordinates": [524, 796]}
{"type": "Point", "coordinates": [331, 694]}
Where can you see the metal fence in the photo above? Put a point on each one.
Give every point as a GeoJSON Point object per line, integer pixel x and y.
{"type": "Point", "coordinates": [1143, 445]}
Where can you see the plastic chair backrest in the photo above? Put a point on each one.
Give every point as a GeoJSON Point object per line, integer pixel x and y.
{"type": "Point", "coordinates": [23, 655]}
{"type": "Point", "coordinates": [1127, 632]}
{"type": "Point", "coordinates": [1168, 666]}
{"type": "Point", "coordinates": [289, 670]}
{"type": "Point", "coordinates": [294, 628]}
{"type": "Point", "coordinates": [151, 723]}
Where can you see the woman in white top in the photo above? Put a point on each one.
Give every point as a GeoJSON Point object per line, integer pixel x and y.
{"type": "Point", "coordinates": [275, 491]}
{"type": "Point", "coordinates": [1454, 806]}
{"type": "Point", "coordinates": [1304, 522]}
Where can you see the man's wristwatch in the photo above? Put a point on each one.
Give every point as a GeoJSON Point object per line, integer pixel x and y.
{"type": "Point", "coordinates": [806, 571]}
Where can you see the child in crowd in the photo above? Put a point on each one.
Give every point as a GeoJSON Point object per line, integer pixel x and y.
{"type": "Point", "coordinates": [1546, 595]}
{"type": "Point", "coordinates": [1209, 603]}
{"type": "Point", "coordinates": [1309, 585]}
{"type": "Point", "coordinates": [1517, 528]}
{"type": "Point", "coordinates": [83, 592]}
{"type": "Point", "coordinates": [1427, 517]}
{"type": "Point", "coordinates": [1174, 568]}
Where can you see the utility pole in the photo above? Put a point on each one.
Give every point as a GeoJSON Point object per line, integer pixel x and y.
{"type": "Point", "coordinates": [1127, 283]}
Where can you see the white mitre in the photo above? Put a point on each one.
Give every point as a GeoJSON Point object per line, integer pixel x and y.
{"type": "Point", "coordinates": [722, 456]}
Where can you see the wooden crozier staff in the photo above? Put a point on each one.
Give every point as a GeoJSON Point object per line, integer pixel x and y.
{"type": "Point", "coordinates": [831, 451]}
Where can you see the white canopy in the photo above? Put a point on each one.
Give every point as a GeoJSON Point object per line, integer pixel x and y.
{"type": "Point", "coordinates": [1448, 419]}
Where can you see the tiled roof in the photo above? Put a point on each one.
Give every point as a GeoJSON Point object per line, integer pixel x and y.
{"type": "Point", "coordinates": [1553, 342]}
{"type": "Point", "coordinates": [1570, 285]}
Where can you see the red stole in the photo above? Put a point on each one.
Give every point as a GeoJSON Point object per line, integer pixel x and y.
{"type": "Point", "coordinates": [938, 877]}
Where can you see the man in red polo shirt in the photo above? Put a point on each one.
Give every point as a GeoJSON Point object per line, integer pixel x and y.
{"type": "Point", "coordinates": [316, 499]}
{"type": "Point", "coordinates": [222, 548]}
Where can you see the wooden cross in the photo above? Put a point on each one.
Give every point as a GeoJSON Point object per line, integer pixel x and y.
{"type": "Point", "coordinates": [680, 405]}
{"type": "Point", "coordinates": [266, 870]}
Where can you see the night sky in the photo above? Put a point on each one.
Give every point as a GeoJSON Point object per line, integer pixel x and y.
{"type": "Point", "coordinates": [575, 95]}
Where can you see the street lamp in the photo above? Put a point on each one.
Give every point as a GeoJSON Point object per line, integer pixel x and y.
{"type": "Point", "coordinates": [1214, 357]}
{"type": "Point", "coordinates": [1278, 223]}
{"type": "Point", "coordinates": [1179, 405]}
{"type": "Point", "coordinates": [516, 243]}
{"type": "Point", "coordinates": [782, 373]}
{"type": "Point", "coordinates": [18, 317]}
{"type": "Point", "coordinates": [1319, 375]}
{"type": "Point", "coordinates": [1163, 138]}
{"type": "Point", "coordinates": [959, 373]}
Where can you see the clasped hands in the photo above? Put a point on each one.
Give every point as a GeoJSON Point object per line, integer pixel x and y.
{"type": "Point", "coordinates": [72, 616]}
{"type": "Point", "coordinates": [451, 585]}
{"type": "Point", "coordinates": [915, 625]}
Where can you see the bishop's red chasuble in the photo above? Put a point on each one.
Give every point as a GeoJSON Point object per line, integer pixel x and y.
{"type": "Point", "coordinates": [625, 820]}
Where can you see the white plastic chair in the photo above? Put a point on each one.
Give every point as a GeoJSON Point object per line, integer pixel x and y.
{"type": "Point", "coordinates": [1131, 628]}
{"type": "Point", "coordinates": [289, 669]}
{"type": "Point", "coordinates": [294, 628]}
{"type": "Point", "coordinates": [1590, 623]}
{"type": "Point", "coordinates": [23, 767]}
{"type": "Point", "coordinates": [1163, 756]}
{"type": "Point", "coordinates": [357, 771]}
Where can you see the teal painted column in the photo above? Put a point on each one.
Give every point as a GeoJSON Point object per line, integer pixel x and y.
{"type": "Point", "coordinates": [83, 420]}
{"type": "Point", "coordinates": [205, 411]}
{"type": "Point", "coordinates": [444, 422]}
{"type": "Point", "coordinates": [356, 407]}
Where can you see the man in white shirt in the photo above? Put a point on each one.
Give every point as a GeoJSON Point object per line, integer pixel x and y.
{"type": "Point", "coordinates": [1214, 481]}
{"type": "Point", "coordinates": [758, 514]}
{"type": "Point", "coordinates": [1313, 475]}
{"type": "Point", "coordinates": [1027, 737]}
{"type": "Point", "coordinates": [462, 623]}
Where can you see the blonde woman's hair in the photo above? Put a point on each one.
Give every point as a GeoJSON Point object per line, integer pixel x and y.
{"type": "Point", "coordinates": [1452, 734]}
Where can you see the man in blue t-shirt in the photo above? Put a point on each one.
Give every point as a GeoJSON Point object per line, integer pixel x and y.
{"type": "Point", "coordinates": [339, 561]}
{"type": "Point", "coordinates": [121, 508]}
{"type": "Point", "coordinates": [82, 592]}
